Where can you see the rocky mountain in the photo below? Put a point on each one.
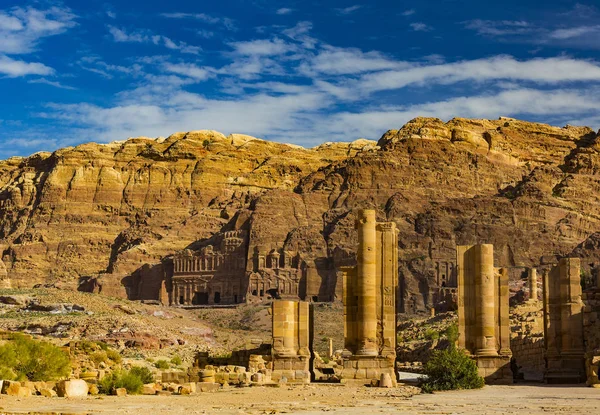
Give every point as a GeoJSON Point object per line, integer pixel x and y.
{"type": "Point", "coordinates": [530, 189]}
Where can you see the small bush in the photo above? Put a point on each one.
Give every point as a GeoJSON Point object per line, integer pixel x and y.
{"type": "Point", "coordinates": [450, 369]}
{"type": "Point", "coordinates": [431, 334]}
{"type": "Point", "coordinates": [121, 379]}
{"type": "Point", "coordinates": [23, 358]}
{"type": "Point", "coordinates": [114, 355]}
{"type": "Point", "coordinates": [176, 360]}
{"type": "Point", "coordinates": [161, 364]}
{"type": "Point", "coordinates": [99, 357]}
{"type": "Point", "coordinates": [452, 334]}
{"type": "Point", "coordinates": [143, 373]}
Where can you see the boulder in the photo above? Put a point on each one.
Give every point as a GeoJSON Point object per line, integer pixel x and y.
{"type": "Point", "coordinates": [72, 388]}
{"type": "Point", "coordinates": [385, 381]}
{"type": "Point", "coordinates": [121, 392]}
{"type": "Point", "coordinates": [15, 389]}
{"type": "Point", "coordinates": [94, 389]}
{"type": "Point", "coordinates": [48, 393]}
{"type": "Point", "coordinates": [14, 299]}
{"type": "Point", "coordinates": [149, 389]}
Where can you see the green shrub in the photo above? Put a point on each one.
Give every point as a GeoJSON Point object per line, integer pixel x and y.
{"type": "Point", "coordinates": [121, 379]}
{"type": "Point", "coordinates": [99, 357]}
{"type": "Point", "coordinates": [114, 355]}
{"type": "Point", "coordinates": [143, 373]}
{"type": "Point", "coordinates": [452, 334]}
{"type": "Point", "coordinates": [176, 360]}
{"type": "Point", "coordinates": [431, 334]}
{"type": "Point", "coordinates": [23, 358]}
{"type": "Point", "coordinates": [161, 364]}
{"type": "Point", "coordinates": [450, 369]}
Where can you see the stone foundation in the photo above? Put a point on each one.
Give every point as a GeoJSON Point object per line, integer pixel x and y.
{"type": "Point", "coordinates": [563, 322]}
{"type": "Point", "coordinates": [495, 369]}
{"type": "Point", "coordinates": [362, 370]}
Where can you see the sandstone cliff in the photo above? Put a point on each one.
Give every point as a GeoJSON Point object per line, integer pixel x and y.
{"type": "Point", "coordinates": [530, 189]}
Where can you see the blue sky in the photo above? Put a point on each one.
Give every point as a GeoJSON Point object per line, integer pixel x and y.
{"type": "Point", "coordinates": [295, 71]}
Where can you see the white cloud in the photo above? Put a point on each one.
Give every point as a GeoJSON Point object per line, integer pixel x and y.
{"type": "Point", "coordinates": [284, 10]}
{"type": "Point", "coordinates": [500, 28]}
{"type": "Point", "coordinates": [299, 33]}
{"type": "Point", "coordinates": [189, 70]}
{"type": "Point", "coordinates": [206, 18]}
{"type": "Point", "coordinates": [539, 70]}
{"type": "Point", "coordinates": [206, 34]}
{"type": "Point", "coordinates": [144, 36]}
{"type": "Point", "coordinates": [21, 29]}
{"type": "Point", "coordinates": [420, 27]}
{"type": "Point", "coordinates": [262, 47]}
{"type": "Point", "coordinates": [14, 68]}
{"type": "Point", "coordinates": [349, 10]}
{"type": "Point", "coordinates": [338, 61]}
{"type": "Point", "coordinates": [573, 32]}
{"type": "Point", "coordinates": [51, 83]}
{"type": "Point", "coordinates": [409, 12]}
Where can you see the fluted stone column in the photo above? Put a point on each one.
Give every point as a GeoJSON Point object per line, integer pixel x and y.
{"type": "Point", "coordinates": [533, 284]}
{"type": "Point", "coordinates": [367, 284]}
{"type": "Point", "coordinates": [485, 289]}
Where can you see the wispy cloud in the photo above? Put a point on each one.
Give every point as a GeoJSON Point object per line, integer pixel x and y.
{"type": "Point", "coordinates": [13, 68]}
{"type": "Point", "coordinates": [420, 27]}
{"type": "Point", "coordinates": [226, 22]}
{"type": "Point", "coordinates": [55, 84]}
{"type": "Point", "coordinates": [409, 12]}
{"type": "Point", "coordinates": [144, 36]}
{"type": "Point", "coordinates": [262, 47]}
{"type": "Point", "coordinates": [189, 70]}
{"type": "Point", "coordinates": [21, 29]}
{"type": "Point", "coordinates": [574, 32]}
{"type": "Point", "coordinates": [577, 28]}
{"type": "Point", "coordinates": [284, 10]}
{"type": "Point", "coordinates": [499, 28]}
{"type": "Point", "coordinates": [349, 10]}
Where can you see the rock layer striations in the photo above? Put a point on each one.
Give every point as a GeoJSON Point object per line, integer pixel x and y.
{"type": "Point", "coordinates": [108, 210]}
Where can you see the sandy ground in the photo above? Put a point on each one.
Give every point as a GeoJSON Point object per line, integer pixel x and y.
{"type": "Point", "coordinates": [315, 399]}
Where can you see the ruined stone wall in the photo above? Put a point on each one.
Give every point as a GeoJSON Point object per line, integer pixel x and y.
{"type": "Point", "coordinates": [527, 340]}
{"type": "Point", "coordinates": [563, 323]}
{"type": "Point", "coordinates": [591, 332]}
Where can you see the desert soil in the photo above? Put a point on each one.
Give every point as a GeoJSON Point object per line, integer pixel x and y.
{"type": "Point", "coordinates": [313, 399]}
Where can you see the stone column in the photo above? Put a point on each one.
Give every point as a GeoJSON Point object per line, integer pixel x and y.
{"type": "Point", "coordinates": [503, 313]}
{"type": "Point", "coordinates": [284, 327]}
{"type": "Point", "coordinates": [349, 298]}
{"type": "Point", "coordinates": [303, 323]}
{"type": "Point", "coordinates": [366, 284]}
{"type": "Point", "coordinates": [533, 284]}
{"type": "Point", "coordinates": [485, 289]}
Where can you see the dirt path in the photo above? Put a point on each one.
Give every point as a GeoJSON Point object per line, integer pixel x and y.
{"type": "Point", "coordinates": [313, 399]}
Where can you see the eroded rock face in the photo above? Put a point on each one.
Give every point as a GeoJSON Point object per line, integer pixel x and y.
{"type": "Point", "coordinates": [103, 211]}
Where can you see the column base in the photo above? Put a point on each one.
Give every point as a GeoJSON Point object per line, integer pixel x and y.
{"type": "Point", "coordinates": [566, 369]}
{"type": "Point", "coordinates": [296, 369]}
{"type": "Point", "coordinates": [363, 370]}
{"type": "Point", "coordinates": [495, 369]}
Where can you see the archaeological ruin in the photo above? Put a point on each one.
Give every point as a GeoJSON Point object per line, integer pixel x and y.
{"type": "Point", "coordinates": [483, 317]}
{"type": "Point", "coordinates": [563, 323]}
{"type": "Point", "coordinates": [292, 341]}
{"type": "Point", "coordinates": [370, 303]}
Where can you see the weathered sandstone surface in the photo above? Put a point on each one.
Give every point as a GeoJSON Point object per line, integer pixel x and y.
{"type": "Point", "coordinates": [530, 189]}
